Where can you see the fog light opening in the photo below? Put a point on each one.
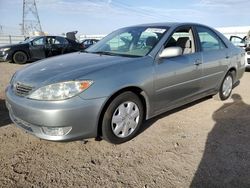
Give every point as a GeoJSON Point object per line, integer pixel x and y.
{"type": "Point", "coordinates": [56, 131]}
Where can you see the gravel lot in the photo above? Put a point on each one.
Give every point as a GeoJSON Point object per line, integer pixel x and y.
{"type": "Point", "coordinates": [205, 144]}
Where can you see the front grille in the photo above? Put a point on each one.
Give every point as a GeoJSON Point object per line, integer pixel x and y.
{"type": "Point", "coordinates": [22, 89]}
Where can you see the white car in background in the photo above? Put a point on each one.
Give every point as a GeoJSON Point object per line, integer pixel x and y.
{"type": "Point", "coordinates": [247, 60]}
{"type": "Point", "coordinates": [244, 43]}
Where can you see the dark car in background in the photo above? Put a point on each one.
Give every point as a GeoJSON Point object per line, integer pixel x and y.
{"type": "Point", "coordinates": [36, 48]}
{"type": "Point", "coordinates": [88, 42]}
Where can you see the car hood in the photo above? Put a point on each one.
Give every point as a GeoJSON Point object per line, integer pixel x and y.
{"type": "Point", "coordinates": [13, 45]}
{"type": "Point", "coordinates": [67, 67]}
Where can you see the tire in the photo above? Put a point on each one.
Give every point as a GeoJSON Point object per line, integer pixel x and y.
{"type": "Point", "coordinates": [226, 87]}
{"type": "Point", "coordinates": [122, 118]}
{"type": "Point", "coordinates": [19, 57]}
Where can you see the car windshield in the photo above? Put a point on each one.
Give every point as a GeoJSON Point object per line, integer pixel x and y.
{"type": "Point", "coordinates": [130, 42]}
{"type": "Point", "coordinates": [27, 40]}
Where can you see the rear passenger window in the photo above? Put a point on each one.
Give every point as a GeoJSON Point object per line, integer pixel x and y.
{"type": "Point", "coordinates": [209, 40]}
{"type": "Point", "coordinates": [60, 40]}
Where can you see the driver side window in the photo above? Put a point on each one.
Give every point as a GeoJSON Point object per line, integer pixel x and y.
{"type": "Point", "coordinates": [38, 42]}
{"type": "Point", "coordinates": [184, 39]}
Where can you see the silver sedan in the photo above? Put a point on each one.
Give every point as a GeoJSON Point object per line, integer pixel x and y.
{"type": "Point", "coordinates": [130, 76]}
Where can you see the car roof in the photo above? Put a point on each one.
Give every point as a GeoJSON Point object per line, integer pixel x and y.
{"type": "Point", "coordinates": [48, 36]}
{"type": "Point", "coordinates": [168, 24]}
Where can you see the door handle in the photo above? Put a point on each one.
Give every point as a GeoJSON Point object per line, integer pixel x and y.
{"type": "Point", "coordinates": [227, 57]}
{"type": "Point", "coordinates": [197, 62]}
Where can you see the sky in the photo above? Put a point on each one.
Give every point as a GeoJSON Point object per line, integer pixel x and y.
{"type": "Point", "coordinates": [104, 16]}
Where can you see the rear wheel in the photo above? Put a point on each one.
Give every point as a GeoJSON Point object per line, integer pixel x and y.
{"type": "Point", "coordinates": [19, 57]}
{"type": "Point", "coordinates": [122, 118]}
{"type": "Point", "coordinates": [226, 86]}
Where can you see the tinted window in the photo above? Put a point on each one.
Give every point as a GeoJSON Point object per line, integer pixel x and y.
{"type": "Point", "coordinates": [60, 40]}
{"type": "Point", "coordinates": [209, 40]}
{"type": "Point", "coordinates": [87, 42]}
{"type": "Point", "coordinates": [39, 41]}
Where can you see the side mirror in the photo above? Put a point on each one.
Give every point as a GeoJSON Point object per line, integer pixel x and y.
{"type": "Point", "coordinates": [171, 52]}
{"type": "Point", "coordinates": [241, 44]}
{"type": "Point", "coordinates": [31, 43]}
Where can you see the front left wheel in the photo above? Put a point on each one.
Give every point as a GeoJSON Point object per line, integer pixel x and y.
{"type": "Point", "coordinates": [19, 57]}
{"type": "Point", "coordinates": [122, 118]}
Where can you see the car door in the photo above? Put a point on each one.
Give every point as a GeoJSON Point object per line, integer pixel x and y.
{"type": "Point", "coordinates": [238, 41]}
{"type": "Point", "coordinates": [53, 46]}
{"type": "Point", "coordinates": [178, 78]}
{"type": "Point", "coordinates": [215, 56]}
{"type": "Point", "coordinates": [37, 48]}
{"type": "Point", "coordinates": [61, 45]}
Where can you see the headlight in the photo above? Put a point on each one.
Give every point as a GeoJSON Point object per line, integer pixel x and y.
{"type": "Point", "coordinates": [60, 91]}
{"type": "Point", "coordinates": [4, 49]}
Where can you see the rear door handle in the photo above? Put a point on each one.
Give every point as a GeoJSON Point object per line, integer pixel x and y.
{"type": "Point", "coordinates": [197, 62]}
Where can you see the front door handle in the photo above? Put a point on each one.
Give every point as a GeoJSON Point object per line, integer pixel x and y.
{"type": "Point", "coordinates": [197, 62]}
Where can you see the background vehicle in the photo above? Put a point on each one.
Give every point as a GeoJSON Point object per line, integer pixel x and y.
{"type": "Point", "coordinates": [245, 44]}
{"type": "Point", "coordinates": [133, 74]}
{"type": "Point", "coordinates": [38, 48]}
{"type": "Point", "coordinates": [88, 42]}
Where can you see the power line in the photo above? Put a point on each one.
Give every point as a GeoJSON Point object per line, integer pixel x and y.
{"type": "Point", "coordinates": [137, 10]}
{"type": "Point", "coordinates": [141, 11]}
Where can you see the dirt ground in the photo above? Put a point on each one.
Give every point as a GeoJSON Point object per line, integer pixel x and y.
{"type": "Point", "coordinates": [205, 144]}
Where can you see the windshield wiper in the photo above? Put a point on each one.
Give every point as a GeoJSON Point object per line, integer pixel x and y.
{"type": "Point", "coordinates": [129, 55]}
{"type": "Point", "coordinates": [104, 53]}
{"type": "Point", "coordinates": [114, 54]}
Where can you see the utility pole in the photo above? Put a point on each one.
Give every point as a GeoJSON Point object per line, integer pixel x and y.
{"type": "Point", "coordinates": [1, 29]}
{"type": "Point", "coordinates": [31, 21]}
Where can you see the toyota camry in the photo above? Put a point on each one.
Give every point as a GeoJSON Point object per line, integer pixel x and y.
{"type": "Point", "coordinates": [131, 75]}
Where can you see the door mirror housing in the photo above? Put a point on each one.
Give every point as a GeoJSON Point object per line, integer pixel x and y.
{"type": "Point", "coordinates": [241, 44]}
{"type": "Point", "coordinates": [171, 52]}
{"type": "Point", "coordinates": [238, 41]}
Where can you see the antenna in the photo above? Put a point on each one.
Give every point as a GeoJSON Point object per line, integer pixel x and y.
{"type": "Point", "coordinates": [31, 22]}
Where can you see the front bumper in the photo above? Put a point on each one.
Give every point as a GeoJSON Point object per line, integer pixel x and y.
{"type": "Point", "coordinates": [4, 56]}
{"type": "Point", "coordinates": [31, 115]}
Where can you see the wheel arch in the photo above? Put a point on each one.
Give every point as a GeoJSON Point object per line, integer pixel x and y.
{"type": "Point", "coordinates": [18, 50]}
{"type": "Point", "coordinates": [233, 71]}
{"type": "Point", "coordinates": [138, 91]}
